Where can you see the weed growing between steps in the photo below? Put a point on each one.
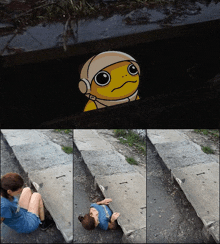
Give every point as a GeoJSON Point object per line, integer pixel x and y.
{"type": "Point", "coordinates": [67, 150]}
{"type": "Point", "coordinates": [207, 150]}
{"type": "Point", "coordinates": [66, 131]}
{"type": "Point", "coordinates": [211, 135]}
{"type": "Point", "coordinates": [214, 134]}
{"type": "Point", "coordinates": [131, 161]}
{"type": "Point", "coordinates": [130, 138]}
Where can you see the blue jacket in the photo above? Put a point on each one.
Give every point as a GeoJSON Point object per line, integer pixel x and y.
{"type": "Point", "coordinates": [18, 218]}
{"type": "Point", "coordinates": [104, 215]}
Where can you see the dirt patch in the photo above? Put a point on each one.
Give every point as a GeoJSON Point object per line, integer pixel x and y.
{"type": "Point", "coordinates": [125, 150]}
{"type": "Point", "coordinates": [60, 137]}
{"type": "Point", "coordinates": [204, 141]}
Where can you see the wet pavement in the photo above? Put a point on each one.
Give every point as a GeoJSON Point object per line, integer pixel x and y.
{"type": "Point", "coordinates": [9, 163]}
{"type": "Point", "coordinates": [170, 217]}
{"type": "Point", "coordinates": [64, 33]}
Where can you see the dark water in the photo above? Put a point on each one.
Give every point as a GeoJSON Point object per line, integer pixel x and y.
{"type": "Point", "coordinates": [34, 33]}
{"type": "Point", "coordinates": [40, 81]}
{"type": "Point", "coordinates": [35, 93]}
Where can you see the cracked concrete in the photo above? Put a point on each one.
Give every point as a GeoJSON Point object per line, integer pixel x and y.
{"type": "Point", "coordinates": [117, 180]}
{"type": "Point", "coordinates": [196, 173]}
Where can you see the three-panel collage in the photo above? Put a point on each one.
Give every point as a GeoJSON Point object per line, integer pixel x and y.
{"type": "Point", "coordinates": [133, 81]}
{"type": "Point", "coordinates": [109, 186]}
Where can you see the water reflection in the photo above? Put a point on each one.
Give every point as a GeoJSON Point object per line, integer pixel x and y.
{"type": "Point", "coordinates": [61, 33]}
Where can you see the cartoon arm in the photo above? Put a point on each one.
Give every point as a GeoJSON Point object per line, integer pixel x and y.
{"type": "Point", "coordinates": [137, 98]}
{"type": "Point", "coordinates": [90, 106]}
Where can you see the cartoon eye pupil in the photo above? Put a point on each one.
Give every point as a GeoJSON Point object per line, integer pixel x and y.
{"type": "Point", "coordinates": [132, 70]}
{"type": "Point", "coordinates": [102, 78]}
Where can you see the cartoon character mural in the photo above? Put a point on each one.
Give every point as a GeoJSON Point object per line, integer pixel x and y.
{"type": "Point", "coordinates": [109, 78]}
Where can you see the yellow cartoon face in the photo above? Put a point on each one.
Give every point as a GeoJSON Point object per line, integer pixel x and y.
{"type": "Point", "coordinates": [116, 81]}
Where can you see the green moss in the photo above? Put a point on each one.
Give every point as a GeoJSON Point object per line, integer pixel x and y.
{"type": "Point", "coordinates": [131, 139]}
{"type": "Point", "coordinates": [214, 133]}
{"type": "Point", "coordinates": [66, 131]}
{"type": "Point", "coordinates": [207, 150]}
{"type": "Point", "coordinates": [67, 150]}
{"type": "Point", "coordinates": [131, 161]}
{"type": "Point", "coordinates": [120, 132]}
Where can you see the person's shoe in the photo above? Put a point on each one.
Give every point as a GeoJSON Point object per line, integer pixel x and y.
{"type": "Point", "coordinates": [46, 224]}
{"type": "Point", "coordinates": [36, 186]}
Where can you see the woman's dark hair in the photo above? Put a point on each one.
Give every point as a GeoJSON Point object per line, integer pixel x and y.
{"type": "Point", "coordinates": [10, 181]}
{"type": "Point", "coordinates": [87, 221]}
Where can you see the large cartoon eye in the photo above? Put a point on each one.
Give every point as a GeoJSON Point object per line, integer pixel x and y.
{"type": "Point", "coordinates": [132, 70]}
{"type": "Point", "coordinates": [102, 78]}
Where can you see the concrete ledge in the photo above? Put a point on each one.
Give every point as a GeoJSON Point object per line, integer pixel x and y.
{"type": "Point", "coordinates": [196, 173]}
{"type": "Point", "coordinates": [51, 172]}
{"type": "Point", "coordinates": [200, 184]}
{"type": "Point", "coordinates": [117, 180]}
{"type": "Point", "coordinates": [106, 162]}
{"type": "Point", "coordinates": [164, 136]}
{"type": "Point", "coordinates": [176, 149]}
{"type": "Point", "coordinates": [44, 42]}
{"type": "Point", "coordinates": [181, 154]}
{"type": "Point", "coordinates": [56, 188]}
{"type": "Point", "coordinates": [90, 140]}
{"type": "Point", "coordinates": [128, 198]}
{"type": "Point", "coordinates": [139, 236]}
{"type": "Point", "coordinates": [214, 231]}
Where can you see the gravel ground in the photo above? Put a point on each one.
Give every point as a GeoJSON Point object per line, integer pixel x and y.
{"type": "Point", "coordinates": [125, 150]}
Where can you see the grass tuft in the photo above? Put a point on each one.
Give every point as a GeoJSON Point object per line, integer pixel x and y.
{"type": "Point", "coordinates": [66, 131]}
{"type": "Point", "coordinates": [67, 150]}
{"type": "Point", "coordinates": [213, 133]}
{"type": "Point", "coordinates": [130, 138]}
{"type": "Point", "coordinates": [131, 161]}
{"type": "Point", "coordinates": [207, 150]}
{"type": "Point", "coordinates": [120, 132]}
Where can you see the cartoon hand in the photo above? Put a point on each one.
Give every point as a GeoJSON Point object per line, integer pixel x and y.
{"type": "Point", "coordinates": [115, 216]}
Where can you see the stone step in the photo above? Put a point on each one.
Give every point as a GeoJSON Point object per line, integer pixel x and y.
{"type": "Point", "coordinates": [117, 180]}
{"type": "Point", "coordinates": [196, 173]}
{"type": "Point", "coordinates": [50, 170]}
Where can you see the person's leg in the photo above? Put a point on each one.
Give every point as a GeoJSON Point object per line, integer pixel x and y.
{"type": "Point", "coordinates": [36, 205]}
{"type": "Point", "coordinates": [25, 197]}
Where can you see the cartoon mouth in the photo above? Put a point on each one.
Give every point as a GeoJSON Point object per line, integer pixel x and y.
{"type": "Point", "coordinates": [124, 84]}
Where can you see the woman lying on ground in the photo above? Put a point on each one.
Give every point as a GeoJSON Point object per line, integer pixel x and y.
{"type": "Point", "coordinates": [22, 215]}
{"type": "Point", "coordinates": [100, 215]}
